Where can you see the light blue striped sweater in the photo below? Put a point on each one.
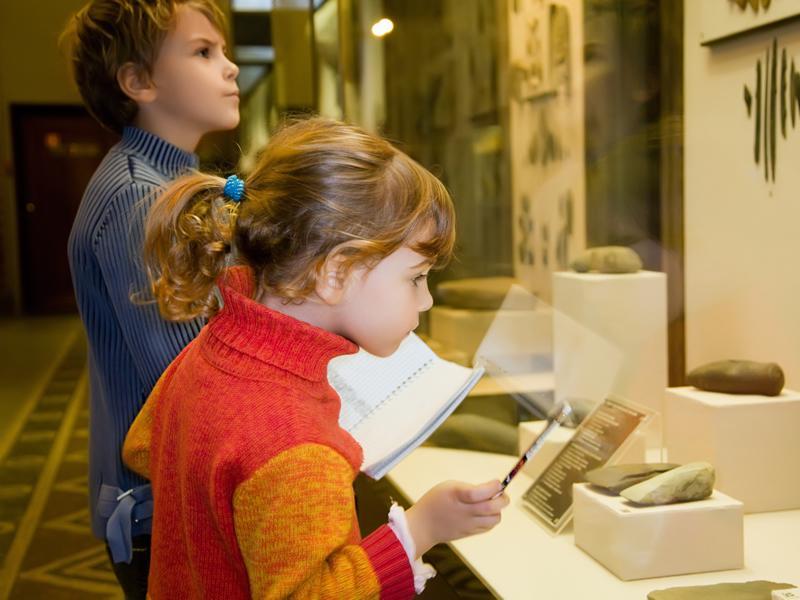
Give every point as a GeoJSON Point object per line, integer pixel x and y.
{"type": "Point", "coordinates": [129, 344]}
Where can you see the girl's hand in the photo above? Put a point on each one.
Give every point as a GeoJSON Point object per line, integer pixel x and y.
{"type": "Point", "coordinates": [453, 510]}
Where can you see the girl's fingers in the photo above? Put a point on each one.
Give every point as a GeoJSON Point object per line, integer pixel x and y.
{"type": "Point", "coordinates": [484, 523]}
{"type": "Point", "coordinates": [489, 507]}
{"type": "Point", "coordinates": [478, 493]}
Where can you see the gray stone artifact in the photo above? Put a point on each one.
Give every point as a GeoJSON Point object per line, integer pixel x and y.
{"type": "Point", "coordinates": [751, 590]}
{"type": "Point", "coordinates": [693, 481]}
{"type": "Point", "coordinates": [738, 377]}
{"type": "Point", "coordinates": [476, 293]}
{"type": "Point", "coordinates": [617, 478]}
{"type": "Point", "coordinates": [607, 259]}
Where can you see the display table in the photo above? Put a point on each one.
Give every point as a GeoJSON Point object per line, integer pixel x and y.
{"type": "Point", "coordinates": [524, 383]}
{"type": "Point", "coordinates": [518, 559]}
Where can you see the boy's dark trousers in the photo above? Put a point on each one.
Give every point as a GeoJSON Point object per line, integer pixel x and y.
{"type": "Point", "coordinates": [133, 577]}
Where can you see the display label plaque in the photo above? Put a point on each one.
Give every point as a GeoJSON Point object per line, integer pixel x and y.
{"type": "Point", "coordinates": [601, 435]}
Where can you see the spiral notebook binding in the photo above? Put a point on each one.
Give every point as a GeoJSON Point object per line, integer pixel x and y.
{"type": "Point", "coordinates": [403, 384]}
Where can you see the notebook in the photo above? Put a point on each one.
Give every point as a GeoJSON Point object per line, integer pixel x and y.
{"type": "Point", "coordinates": [391, 405]}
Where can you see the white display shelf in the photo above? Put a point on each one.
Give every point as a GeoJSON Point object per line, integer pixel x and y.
{"type": "Point", "coordinates": [610, 338]}
{"type": "Point", "coordinates": [490, 385]}
{"type": "Point", "coordinates": [519, 559]}
{"type": "Point", "coordinates": [647, 542]}
{"type": "Point", "coordinates": [752, 441]}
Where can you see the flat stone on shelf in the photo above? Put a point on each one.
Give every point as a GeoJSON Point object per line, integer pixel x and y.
{"type": "Point", "coordinates": [619, 477]}
{"type": "Point", "coordinates": [607, 259]}
{"type": "Point", "coordinates": [751, 590]}
{"type": "Point", "coordinates": [739, 377]}
{"type": "Point", "coordinates": [475, 293]}
{"type": "Point", "coordinates": [694, 481]}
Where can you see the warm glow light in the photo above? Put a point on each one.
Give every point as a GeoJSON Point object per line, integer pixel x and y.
{"type": "Point", "coordinates": [382, 27]}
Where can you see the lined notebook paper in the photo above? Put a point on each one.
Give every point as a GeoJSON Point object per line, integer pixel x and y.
{"type": "Point", "coordinates": [391, 405]}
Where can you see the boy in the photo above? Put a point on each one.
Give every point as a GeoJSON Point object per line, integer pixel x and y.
{"type": "Point", "coordinates": [156, 72]}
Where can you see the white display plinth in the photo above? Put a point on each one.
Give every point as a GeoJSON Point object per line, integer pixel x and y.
{"type": "Point", "coordinates": [634, 452]}
{"type": "Point", "coordinates": [464, 329]}
{"type": "Point", "coordinates": [636, 542]}
{"type": "Point", "coordinates": [610, 337]}
{"type": "Point", "coordinates": [459, 328]}
{"type": "Point", "coordinates": [752, 441]}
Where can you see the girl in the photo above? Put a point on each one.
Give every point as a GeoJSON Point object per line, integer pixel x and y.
{"type": "Point", "coordinates": [335, 232]}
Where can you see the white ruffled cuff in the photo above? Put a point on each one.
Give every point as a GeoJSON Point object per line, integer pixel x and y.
{"type": "Point", "coordinates": [398, 523]}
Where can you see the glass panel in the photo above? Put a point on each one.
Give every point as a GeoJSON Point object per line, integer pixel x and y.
{"type": "Point", "coordinates": [544, 120]}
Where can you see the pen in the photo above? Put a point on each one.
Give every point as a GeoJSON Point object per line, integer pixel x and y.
{"type": "Point", "coordinates": [552, 424]}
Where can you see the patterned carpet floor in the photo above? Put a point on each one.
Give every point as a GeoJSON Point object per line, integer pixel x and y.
{"type": "Point", "coordinates": [46, 546]}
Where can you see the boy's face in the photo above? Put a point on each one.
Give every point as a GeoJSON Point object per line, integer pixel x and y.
{"type": "Point", "coordinates": [195, 83]}
{"type": "Point", "coordinates": [381, 305]}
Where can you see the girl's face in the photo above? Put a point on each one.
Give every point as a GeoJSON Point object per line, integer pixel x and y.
{"type": "Point", "coordinates": [381, 306]}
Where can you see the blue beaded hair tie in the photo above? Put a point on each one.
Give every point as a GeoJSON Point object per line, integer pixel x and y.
{"type": "Point", "coordinates": [234, 188]}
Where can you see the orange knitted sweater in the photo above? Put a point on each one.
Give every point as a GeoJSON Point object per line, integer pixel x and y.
{"type": "Point", "coordinates": [252, 475]}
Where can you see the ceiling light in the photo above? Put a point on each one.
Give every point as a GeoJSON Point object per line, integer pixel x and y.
{"type": "Point", "coordinates": [382, 27]}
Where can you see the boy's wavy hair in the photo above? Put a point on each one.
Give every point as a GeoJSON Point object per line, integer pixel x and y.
{"type": "Point", "coordinates": [320, 188]}
{"type": "Point", "coordinates": [106, 34]}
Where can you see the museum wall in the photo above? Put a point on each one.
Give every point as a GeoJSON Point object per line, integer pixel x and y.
{"type": "Point", "coordinates": [546, 133]}
{"type": "Point", "coordinates": [31, 71]}
{"type": "Point", "coordinates": [741, 216]}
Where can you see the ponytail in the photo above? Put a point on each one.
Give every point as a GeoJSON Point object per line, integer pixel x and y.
{"type": "Point", "coordinates": [319, 188]}
{"type": "Point", "coordinates": [187, 238]}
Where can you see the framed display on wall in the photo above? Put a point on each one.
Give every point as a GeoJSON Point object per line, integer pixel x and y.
{"type": "Point", "coordinates": [546, 138]}
{"type": "Point", "coordinates": [724, 19]}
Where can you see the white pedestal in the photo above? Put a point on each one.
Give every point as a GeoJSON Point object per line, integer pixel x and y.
{"type": "Point", "coordinates": [658, 541]}
{"type": "Point", "coordinates": [464, 329]}
{"type": "Point", "coordinates": [459, 328]}
{"type": "Point", "coordinates": [610, 337]}
{"type": "Point", "coordinates": [752, 441]}
{"type": "Point", "coordinates": [528, 430]}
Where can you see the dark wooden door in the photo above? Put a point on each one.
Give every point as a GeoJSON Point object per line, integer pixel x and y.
{"type": "Point", "coordinates": [56, 150]}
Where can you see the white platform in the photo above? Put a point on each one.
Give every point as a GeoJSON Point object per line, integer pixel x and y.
{"type": "Point", "coordinates": [752, 441]}
{"type": "Point", "coordinates": [524, 383]}
{"type": "Point", "coordinates": [520, 560]}
{"type": "Point", "coordinates": [464, 329]}
{"type": "Point", "coordinates": [528, 430]}
{"type": "Point", "coordinates": [610, 337]}
{"type": "Point", "coordinates": [658, 541]}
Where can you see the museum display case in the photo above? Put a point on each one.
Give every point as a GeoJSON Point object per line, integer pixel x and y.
{"type": "Point", "coordinates": [626, 221]}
